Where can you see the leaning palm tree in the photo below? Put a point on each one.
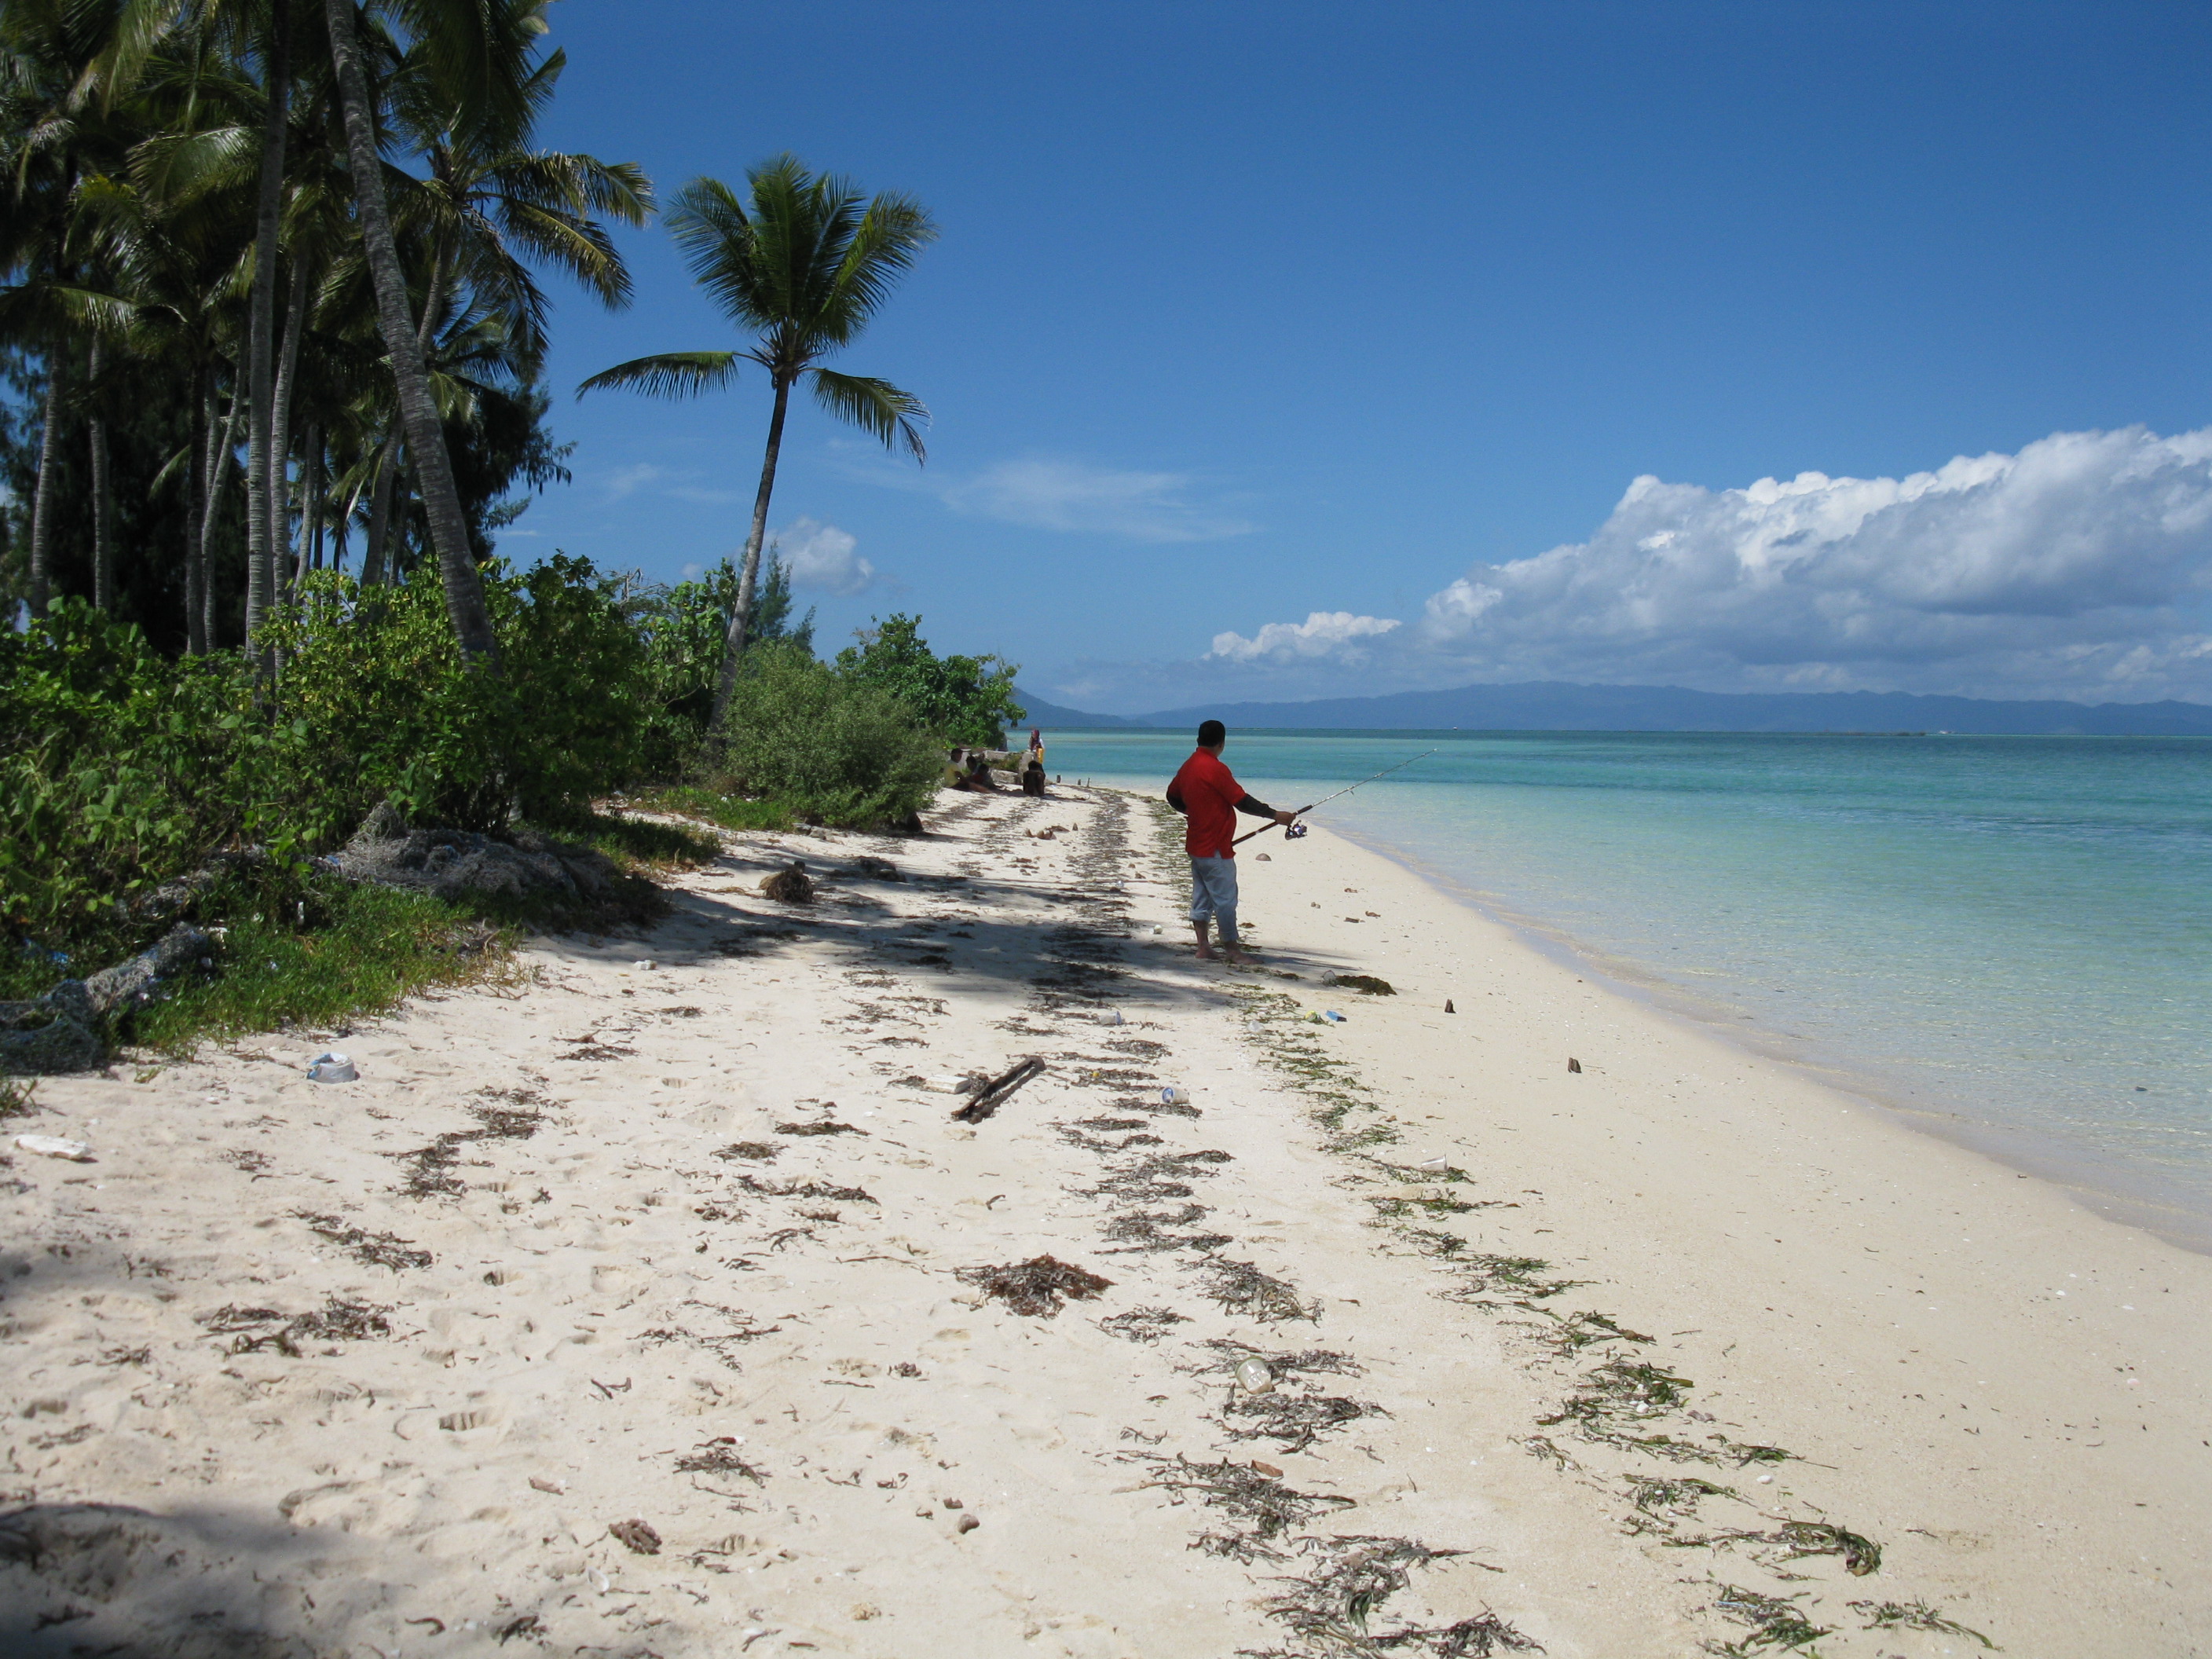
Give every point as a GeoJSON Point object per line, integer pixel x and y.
{"type": "Point", "coordinates": [806, 267]}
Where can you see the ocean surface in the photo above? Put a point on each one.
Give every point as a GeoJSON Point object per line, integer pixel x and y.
{"type": "Point", "coordinates": [2007, 940]}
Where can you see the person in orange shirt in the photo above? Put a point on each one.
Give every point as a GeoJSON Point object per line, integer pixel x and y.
{"type": "Point", "coordinates": [1209, 797]}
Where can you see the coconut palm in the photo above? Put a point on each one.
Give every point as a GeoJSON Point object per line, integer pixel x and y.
{"type": "Point", "coordinates": [806, 268]}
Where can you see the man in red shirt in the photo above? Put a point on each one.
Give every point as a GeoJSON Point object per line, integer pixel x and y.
{"type": "Point", "coordinates": [1210, 797]}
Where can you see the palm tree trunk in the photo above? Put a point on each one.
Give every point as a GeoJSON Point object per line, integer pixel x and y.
{"type": "Point", "coordinates": [311, 506]}
{"type": "Point", "coordinates": [380, 511]}
{"type": "Point", "coordinates": [260, 327]}
{"type": "Point", "coordinates": [426, 439]}
{"type": "Point", "coordinates": [199, 437]}
{"type": "Point", "coordinates": [733, 646]}
{"type": "Point", "coordinates": [103, 502]}
{"type": "Point", "coordinates": [279, 438]}
{"type": "Point", "coordinates": [220, 460]}
{"type": "Point", "coordinates": [42, 521]}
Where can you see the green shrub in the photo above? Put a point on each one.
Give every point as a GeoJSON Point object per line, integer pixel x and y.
{"type": "Point", "coordinates": [968, 700]}
{"type": "Point", "coordinates": [826, 748]}
{"type": "Point", "coordinates": [385, 696]}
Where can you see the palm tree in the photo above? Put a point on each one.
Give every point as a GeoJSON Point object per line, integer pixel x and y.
{"type": "Point", "coordinates": [806, 269]}
{"type": "Point", "coordinates": [480, 48]}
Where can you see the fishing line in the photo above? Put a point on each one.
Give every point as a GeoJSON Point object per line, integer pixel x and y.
{"type": "Point", "coordinates": [1294, 831]}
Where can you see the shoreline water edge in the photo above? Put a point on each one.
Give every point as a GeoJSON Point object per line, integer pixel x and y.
{"type": "Point", "coordinates": [2038, 1009]}
{"type": "Point", "coordinates": [673, 1296]}
{"type": "Point", "coordinates": [2126, 1195]}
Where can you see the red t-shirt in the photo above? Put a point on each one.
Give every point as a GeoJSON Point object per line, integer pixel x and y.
{"type": "Point", "coordinates": [1209, 795]}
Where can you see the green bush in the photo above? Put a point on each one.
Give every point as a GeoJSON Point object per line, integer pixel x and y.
{"type": "Point", "coordinates": [968, 700]}
{"type": "Point", "coordinates": [118, 770]}
{"type": "Point", "coordinates": [391, 709]}
{"type": "Point", "coordinates": [822, 746]}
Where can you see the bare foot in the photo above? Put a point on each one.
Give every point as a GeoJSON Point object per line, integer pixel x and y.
{"type": "Point", "coordinates": [1205, 955]}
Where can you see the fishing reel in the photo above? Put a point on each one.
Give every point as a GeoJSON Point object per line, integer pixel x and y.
{"type": "Point", "coordinates": [1294, 832]}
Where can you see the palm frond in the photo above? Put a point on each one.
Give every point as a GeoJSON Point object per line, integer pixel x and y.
{"type": "Point", "coordinates": [875, 406]}
{"type": "Point", "coordinates": [668, 375]}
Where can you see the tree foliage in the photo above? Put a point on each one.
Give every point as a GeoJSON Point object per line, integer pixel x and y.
{"type": "Point", "coordinates": [963, 699]}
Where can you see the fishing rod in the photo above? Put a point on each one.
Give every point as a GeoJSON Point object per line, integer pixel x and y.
{"type": "Point", "coordinates": [1292, 831]}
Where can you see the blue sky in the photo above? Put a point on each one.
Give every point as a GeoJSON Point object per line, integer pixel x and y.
{"type": "Point", "coordinates": [1286, 350]}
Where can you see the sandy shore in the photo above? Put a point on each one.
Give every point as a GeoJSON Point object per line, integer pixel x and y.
{"type": "Point", "coordinates": [671, 1233]}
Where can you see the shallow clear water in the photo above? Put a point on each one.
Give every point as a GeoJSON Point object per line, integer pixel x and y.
{"type": "Point", "coordinates": [2015, 932]}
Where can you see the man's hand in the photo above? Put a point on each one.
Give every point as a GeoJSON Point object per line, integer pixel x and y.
{"type": "Point", "coordinates": [1286, 818]}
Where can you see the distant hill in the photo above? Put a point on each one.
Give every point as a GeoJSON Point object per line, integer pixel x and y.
{"type": "Point", "coordinates": [1045, 712]}
{"type": "Point", "coordinates": [1560, 706]}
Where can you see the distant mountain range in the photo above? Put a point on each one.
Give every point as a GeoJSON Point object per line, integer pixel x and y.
{"type": "Point", "coordinates": [1560, 706]}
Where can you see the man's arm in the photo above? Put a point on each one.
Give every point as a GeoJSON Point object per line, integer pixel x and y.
{"type": "Point", "coordinates": [1174, 799]}
{"type": "Point", "coordinates": [1259, 809]}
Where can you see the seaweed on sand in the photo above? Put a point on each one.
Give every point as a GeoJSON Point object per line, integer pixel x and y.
{"type": "Point", "coordinates": [1143, 1230]}
{"type": "Point", "coordinates": [1860, 1556]}
{"type": "Point", "coordinates": [1241, 1289]}
{"type": "Point", "coordinates": [1261, 1504]}
{"type": "Point", "coordinates": [804, 1189]}
{"type": "Point", "coordinates": [1147, 1180]}
{"type": "Point", "coordinates": [1569, 1334]}
{"type": "Point", "coordinates": [339, 1321]}
{"type": "Point", "coordinates": [375, 1250]}
{"type": "Point", "coordinates": [432, 1176]}
{"type": "Point", "coordinates": [1487, 1274]}
{"type": "Point", "coordinates": [760, 1151]}
{"type": "Point", "coordinates": [1144, 1325]}
{"type": "Point", "coordinates": [1293, 1421]}
{"type": "Point", "coordinates": [821, 1128]}
{"type": "Point", "coordinates": [1796, 1541]}
{"type": "Point", "coordinates": [714, 1457]}
{"type": "Point", "coordinates": [1035, 1286]}
{"type": "Point", "coordinates": [1617, 1390]}
{"type": "Point", "coordinates": [1284, 1362]}
{"type": "Point", "coordinates": [1328, 1607]}
{"type": "Point", "coordinates": [1657, 1497]}
{"type": "Point", "coordinates": [1916, 1615]}
{"type": "Point", "coordinates": [1778, 1625]}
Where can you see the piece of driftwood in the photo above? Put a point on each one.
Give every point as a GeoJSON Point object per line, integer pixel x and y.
{"type": "Point", "coordinates": [995, 1093]}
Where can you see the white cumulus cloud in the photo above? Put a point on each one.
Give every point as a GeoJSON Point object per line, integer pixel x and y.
{"type": "Point", "coordinates": [821, 556]}
{"type": "Point", "coordinates": [2083, 565]}
{"type": "Point", "coordinates": [1322, 633]}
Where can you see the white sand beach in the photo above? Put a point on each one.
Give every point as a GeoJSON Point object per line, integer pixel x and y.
{"type": "Point", "coordinates": [621, 1310]}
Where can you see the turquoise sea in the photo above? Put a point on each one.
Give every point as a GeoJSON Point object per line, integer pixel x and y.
{"type": "Point", "coordinates": [2008, 939]}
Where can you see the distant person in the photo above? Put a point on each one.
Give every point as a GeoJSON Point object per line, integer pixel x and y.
{"type": "Point", "coordinates": [1033, 776]}
{"type": "Point", "coordinates": [979, 775]}
{"type": "Point", "coordinates": [1210, 797]}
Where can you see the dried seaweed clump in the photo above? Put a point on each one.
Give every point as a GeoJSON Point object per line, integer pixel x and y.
{"type": "Point", "coordinates": [1347, 1581]}
{"type": "Point", "coordinates": [1293, 1421]}
{"type": "Point", "coordinates": [759, 1151]}
{"type": "Point", "coordinates": [714, 1457]}
{"type": "Point", "coordinates": [1137, 1230]}
{"type": "Point", "coordinates": [339, 1321]}
{"type": "Point", "coordinates": [1035, 1286]}
{"type": "Point", "coordinates": [1777, 1624]}
{"type": "Point", "coordinates": [1916, 1615]}
{"type": "Point", "coordinates": [824, 1127]}
{"type": "Point", "coordinates": [1618, 1393]}
{"type": "Point", "coordinates": [1261, 1504]}
{"type": "Point", "coordinates": [1241, 1289]}
{"type": "Point", "coordinates": [1142, 1324]}
{"type": "Point", "coordinates": [1487, 1274]}
{"type": "Point", "coordinates": [432, 1177]}
{"type": "Point", "coordinates": [375, 1250]}
{"type": "Point", "coordinates": [790, 885]}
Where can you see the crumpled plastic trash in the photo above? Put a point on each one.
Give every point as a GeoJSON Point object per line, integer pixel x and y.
{"type": "Point", "coordinates": [1172, 1095]}
{"type": "Point", "coordinates": [1254, 1376]}
{"type": "Point", "coordinates": [54, 1146]}
{"type": "Point", "coordinates": [332, 1068]}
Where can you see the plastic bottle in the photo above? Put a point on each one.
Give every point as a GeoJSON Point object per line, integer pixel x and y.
{"type": "Point", "coordinates": [1253, 1377]}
